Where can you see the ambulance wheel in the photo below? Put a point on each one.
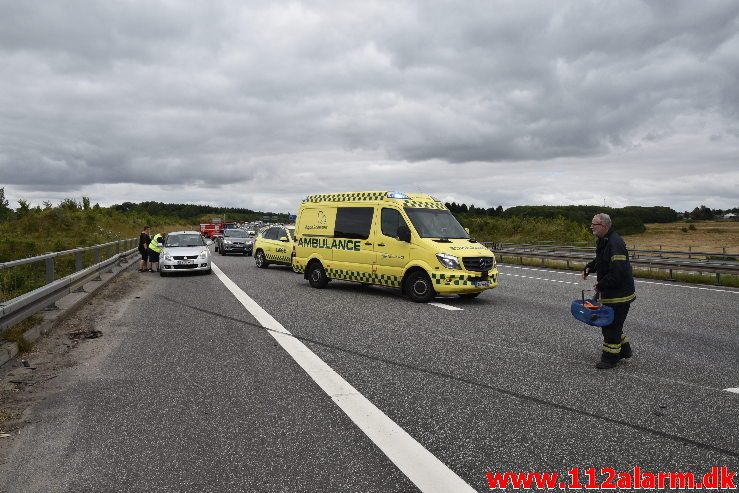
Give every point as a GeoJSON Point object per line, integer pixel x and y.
{"type": "Point", "coordinates": [418, 287]}
{"type": "Point", "coordinates": [317, 276]}
{"type": "Point", "coordinates": [261, 260]}
{"type": "Point", "coordinates": [469, 296]}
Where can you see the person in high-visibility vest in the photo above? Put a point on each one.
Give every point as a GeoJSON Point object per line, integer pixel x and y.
{"type": "Point", "coordinates": [155, 247]}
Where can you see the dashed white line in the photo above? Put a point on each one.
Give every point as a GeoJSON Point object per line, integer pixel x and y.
{"type": "Point", "coordinates": [539, 278]}
{"type": "Point", "coordinates": [420, 466]}
{"type": "Point", "coordinates": [568, 273]}
{"type": "Point", "coordinates": [733, 389]}
{"type": "Point", "coordinates": [446, 307]}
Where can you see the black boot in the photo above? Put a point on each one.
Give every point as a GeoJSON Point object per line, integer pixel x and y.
{"type": "Point", "coordinates": [607, 361]}
{"type": "Point", "coordinates": [626, 351]}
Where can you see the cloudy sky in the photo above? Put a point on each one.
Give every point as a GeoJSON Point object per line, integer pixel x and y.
{"type": "Point", "coordinates": [258, 104]}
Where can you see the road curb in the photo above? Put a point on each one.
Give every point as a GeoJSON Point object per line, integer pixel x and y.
{"type": "Point", "coordinates": [65, 306]}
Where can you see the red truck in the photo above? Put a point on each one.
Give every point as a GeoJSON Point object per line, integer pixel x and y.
{"type": "Point", "coordinates": [209, 230]}
{"type": "Point", "coordinates": [215, 228]}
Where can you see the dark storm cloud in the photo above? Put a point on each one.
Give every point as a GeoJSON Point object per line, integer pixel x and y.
{"type": "Point", "coordinates": [208, 94]}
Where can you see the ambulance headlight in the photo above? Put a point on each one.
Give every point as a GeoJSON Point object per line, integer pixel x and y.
{"type": "Point", "coordinates": [448, 261]}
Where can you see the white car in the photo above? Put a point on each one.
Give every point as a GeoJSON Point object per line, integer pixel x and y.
{"type": "Point", "coordinates": [185, 251]}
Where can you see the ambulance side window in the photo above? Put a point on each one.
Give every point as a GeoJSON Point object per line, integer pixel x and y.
{"type": "Point", "coordinates": [391, 219]}
{"type": "Point", "coordinates": [353, 222]}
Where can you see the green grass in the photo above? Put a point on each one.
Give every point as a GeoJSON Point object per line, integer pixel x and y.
{"type": "Point", "coordinates": [15, 333]}
{"type": "Point", "coordinates": [66, 227]}
{"type": "Point", "coordinates": [526, 229]}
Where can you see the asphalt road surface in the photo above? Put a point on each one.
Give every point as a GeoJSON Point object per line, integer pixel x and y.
{"type": "Point", "coordinates": [199, 387]}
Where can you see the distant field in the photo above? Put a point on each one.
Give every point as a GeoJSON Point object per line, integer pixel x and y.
{"type": "Point", "coordinates": [708, 236]}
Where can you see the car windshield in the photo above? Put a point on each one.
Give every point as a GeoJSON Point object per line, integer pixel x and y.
{"type": "Point", "coordinates": [236, 233]}
{"type": "Point", "coordinates": [193, 240]}
{"type": "Point", "coordinates": [291, 232]}
{"type": "Point", "coordinates": [435, 223]}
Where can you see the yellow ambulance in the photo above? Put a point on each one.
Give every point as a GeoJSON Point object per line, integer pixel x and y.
{"type": "Point", "coordinates": [406, 241]}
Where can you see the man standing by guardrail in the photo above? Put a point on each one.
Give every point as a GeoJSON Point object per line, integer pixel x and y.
{"type": "Point", "coordinates": [144, 240]}
{"type": "Point", "coordinates": [615, 288]}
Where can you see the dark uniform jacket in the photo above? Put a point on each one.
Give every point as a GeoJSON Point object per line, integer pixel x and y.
{"type": "Point", "coordinates": [144, 240]}
{"type": "Point", "coordinates": [615, 279]}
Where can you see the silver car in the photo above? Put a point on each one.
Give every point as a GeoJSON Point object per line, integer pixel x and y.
{"type": "Point", "coordinates": [185, 251]}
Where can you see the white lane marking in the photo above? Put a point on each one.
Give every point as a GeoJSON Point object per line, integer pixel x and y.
{"type": "Point", "coordinates": [539, 278]}
{"type": "Point", "coordinates": [702, 288]}
{"type": "Point", "coordinates": [446, 307]}
{"type": "Point", "coordinates": [733, 389]}
{"type": "Point", "coordinates": [420, 466]}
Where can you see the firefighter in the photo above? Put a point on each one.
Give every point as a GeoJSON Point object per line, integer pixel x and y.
{"type": "Point", "coordinates": [615, 288]}
{"type": "Point", "coordinates": [155, 247]}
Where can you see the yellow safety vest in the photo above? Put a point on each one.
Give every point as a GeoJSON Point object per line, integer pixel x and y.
{"type": "Point", "coordinates": [154, 245]}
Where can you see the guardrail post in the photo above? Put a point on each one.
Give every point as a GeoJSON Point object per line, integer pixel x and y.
{"type": "Point", "coordinates": [118, 246]}
{"type": "Point", "coordinates": [718, 279]}
{"type": "Point", "coordinates": [690, 250]}
{"type": "Point", "coordinates": [77, 261]}
{"type": "Point", "coordinates": [96, 255]}
{"type": "Point", "coordinates": [669, 276]}
{"type": "Point", "coordinates": [49, 270]}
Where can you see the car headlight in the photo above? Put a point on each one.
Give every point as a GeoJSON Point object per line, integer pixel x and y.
{"type": "Point", "coordinates": [204, 254]}
{"type": "Point", "coordinates": [168, 257]}
{"type": "Point", "coordinates": [448, 261]}
{"type": "Point", "coordinates": [227, 241]}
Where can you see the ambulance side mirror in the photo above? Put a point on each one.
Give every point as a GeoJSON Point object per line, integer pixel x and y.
{"type": "Point", "coordinates": [404, 233]}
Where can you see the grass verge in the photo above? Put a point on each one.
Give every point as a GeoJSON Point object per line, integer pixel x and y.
{"type": "Point", "coordinates": [15, 333]}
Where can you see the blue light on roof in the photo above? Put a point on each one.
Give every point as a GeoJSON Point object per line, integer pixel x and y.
{"type": "Point", "coordinates": [397, 195]}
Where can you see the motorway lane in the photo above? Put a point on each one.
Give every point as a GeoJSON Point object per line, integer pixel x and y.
{"type": "Point", "coordinates": [191, 396]}
{"type": "Point", "coordinates": [454, 380]}
{"type": "Point", "coordinates": [209, 402]}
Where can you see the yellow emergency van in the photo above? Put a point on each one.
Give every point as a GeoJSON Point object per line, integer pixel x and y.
{"type": "Point", "coordinates": [406, 241]}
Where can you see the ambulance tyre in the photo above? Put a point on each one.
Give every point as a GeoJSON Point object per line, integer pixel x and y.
{"type": "Point", "coordinates": [317, 275]}
{"type": "Point", "coordinates": [260, 260]}
{"type": "Point", "coordinates": [418, 287]}
{"type": "Point", "coordinates": [469, 296]}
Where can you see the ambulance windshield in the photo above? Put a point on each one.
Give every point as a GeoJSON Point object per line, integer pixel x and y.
{"type": "Point", "coordinates": [435, 223]}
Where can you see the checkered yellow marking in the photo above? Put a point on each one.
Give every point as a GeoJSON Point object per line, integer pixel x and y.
{"type": "Point", "coordinates": [364, 277]}
{"type": "Point", "coordinates": [298, 266]}
{"type": "Point", "coordinates": [346, 197]}
{"type": "Point", "coordinates": [455, 280]}
{"type": "Point", "coordinates": [416, 204]}
{"type": "Point", "coordinates": [278, 258]}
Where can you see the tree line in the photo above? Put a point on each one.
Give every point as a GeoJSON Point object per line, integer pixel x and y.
{"type": "Point", "coordinates": [628, 220]}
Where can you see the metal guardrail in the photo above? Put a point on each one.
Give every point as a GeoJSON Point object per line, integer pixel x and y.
{"type": "Point", "coordinates": [671, 261]}
{"type": "Point", "coordinates": [19, 308]}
